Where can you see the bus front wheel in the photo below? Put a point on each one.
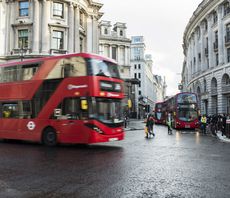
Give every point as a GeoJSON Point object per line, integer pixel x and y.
{"type": "Point", "coordinates": [49, 137]}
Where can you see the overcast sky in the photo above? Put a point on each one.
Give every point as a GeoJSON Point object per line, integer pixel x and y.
{"type": "Point", "coordinates": [162, 23]}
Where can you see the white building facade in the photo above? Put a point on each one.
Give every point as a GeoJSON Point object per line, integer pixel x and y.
{"type": "Point", "coordinates": [47, 27]}
{"type": "Point", "coordinates": [206, 68]}
{"type": "Point", "coordinates": [113, 43]}
{"type": "Point", "coordinates": [141, 65]}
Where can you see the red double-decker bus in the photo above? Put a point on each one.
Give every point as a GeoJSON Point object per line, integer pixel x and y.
{"type": "Point", "coordinates": [75, 98]}
{"type": "Point", "coordinates": [159, 113]}
{"type": "Point", "coordinates": [184, 110]}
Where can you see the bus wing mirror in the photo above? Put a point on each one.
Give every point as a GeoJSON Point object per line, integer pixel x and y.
{"type": "Point", "coordinates": [84, 104]}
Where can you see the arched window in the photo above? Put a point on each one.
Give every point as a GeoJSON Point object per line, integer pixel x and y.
{"type": "Point", "coordinates": [205, 86]}
{"type": "Point", "coordinates": [214, 83]}
{"type": "Point", "coordinates": [225, 80]}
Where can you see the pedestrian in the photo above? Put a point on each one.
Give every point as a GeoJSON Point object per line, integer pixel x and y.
{"type": "Point", "coordinates": [214, 124]}
{"type": "Point", "coordinates": [224, 119]}
{"type": "Point", "coordinates": [169, 123]}
{"type": "Point", "coordinates": [149, 124]}
{"type": "Point", "coordinates": [203, 123]}
{"type": "Point", "coordinates": [125, 119]}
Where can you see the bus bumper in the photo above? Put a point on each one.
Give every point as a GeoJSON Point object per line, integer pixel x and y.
{"type": "Point", "coordinates": [96, 137]}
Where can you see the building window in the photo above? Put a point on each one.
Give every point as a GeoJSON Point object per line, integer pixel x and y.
{"type": "Point", "coordinates": [81, 44]}
{"type": "Point", "coordinates": [199, 57]}
{"type": "Point", "coordinates": [217, 59]}
{"type": "Point", "coordinates": [135, 66]}
{"type": "Point", "coordinates": [23, 38]}
{"type": "Point", "coordinates": [58, 10]}
{"type": "Point", "coordinates": [227, 37]}
{"type": "Point", "coordinates": [226, 8]}
{"type": "Point", "coordinates": [23, 8]}
{"type": "Point", "coordinates": [81, 18]}
{"type": "Point", "coordinates": [139, 75]}
{"type": "Point", "coordinates": [121, 33]}
{"type": "Point", "coordinates": [139, 66]}
{"type": "Point", "coordinates": [139, 93]}
{"type": "Point", "coordinates": [205, 25]}
{"type": "Point", "coordinates": [105, 31]}
{"type": "Point", "coordinates": [205, 86]}
{"type": "Point", "coordinates": [228, 55]}
{"type": "Point", "coordinates": [215, 17]}
{"type": "Point", "coordinates": [57, 40]}
{"type": "Point", "coordinates": [135, 75]}
{"type": "Point", "coordinates": [114, 53]}
{"type": "Point", "coordinates": [140, 84]}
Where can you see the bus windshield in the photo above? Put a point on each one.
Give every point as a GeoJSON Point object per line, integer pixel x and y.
{"type": "Point", "coordinates": [187, 114]}
{"type": "Point", "coordinates": [186, 98]}
{"type": "Point", "coordinates": [102, 68]}
{"type": "Point", "coordinates": [158, 105]}
{"type": "Point", "coordinates": [109, 111]}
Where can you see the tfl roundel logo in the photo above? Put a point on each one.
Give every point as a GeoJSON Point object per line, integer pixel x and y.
{"type": "Point", "coordinates": [31, 125]}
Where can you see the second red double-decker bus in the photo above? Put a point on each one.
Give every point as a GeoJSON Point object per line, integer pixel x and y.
{"type": "Point", "coordinates": [75, 98]}
{"type": "Point", "coordinates": [159, 113]}
{"type": "Point", "coordinates": [184, 110]}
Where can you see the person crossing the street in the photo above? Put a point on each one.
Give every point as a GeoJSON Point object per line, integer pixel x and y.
{"type": "Point", "coordinates": [169, 123]}
{"type": "Point", "coordinates": [203, 121]}
{"type": "Point", "coordinates": [149, 125]}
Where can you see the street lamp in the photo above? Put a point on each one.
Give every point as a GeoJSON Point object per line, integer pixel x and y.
{"type": "Point", "coordinates": [21, 51]}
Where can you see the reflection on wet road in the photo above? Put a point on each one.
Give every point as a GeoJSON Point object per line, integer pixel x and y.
{"type": "Point", "coordinates": [185, 164]}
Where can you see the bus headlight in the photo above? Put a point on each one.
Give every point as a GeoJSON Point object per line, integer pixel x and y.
{"type": "Point", "coordinates": [94, 127]}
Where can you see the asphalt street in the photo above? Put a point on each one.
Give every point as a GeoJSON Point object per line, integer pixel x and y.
{"type": "Point", "coordinates": [185, 164]}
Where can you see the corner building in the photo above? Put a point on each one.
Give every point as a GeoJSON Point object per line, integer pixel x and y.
{"type": "Point", "coordinates": [206, 45]}
{"type": "Point", "coordinates": [32, 28]}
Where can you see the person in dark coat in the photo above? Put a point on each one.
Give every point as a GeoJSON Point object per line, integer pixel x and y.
{"type": "Point", "coordinates": [224, 119]}
{"type": "Point", "coordinates": [149, 124]}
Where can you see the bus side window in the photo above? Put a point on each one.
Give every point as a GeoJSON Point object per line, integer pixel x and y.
{"type": "Point", "coordinates": [10, 110]}
{"type": "Point", "coordinates": [28, 71]}
{"type": "Point", "coordinates": [71, 108]}
{"type": "Point", "coordinates": [25, 110]}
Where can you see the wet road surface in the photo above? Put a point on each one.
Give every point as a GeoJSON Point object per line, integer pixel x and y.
{"type": "Point", "coordinates": [185, 164]}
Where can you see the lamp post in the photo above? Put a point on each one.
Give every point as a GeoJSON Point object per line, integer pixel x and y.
{"type": "Point", "coordinates": [21, 53]}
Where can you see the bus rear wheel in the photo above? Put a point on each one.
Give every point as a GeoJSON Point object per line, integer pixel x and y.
{"type": "Point", "coordinates": [49, 137]}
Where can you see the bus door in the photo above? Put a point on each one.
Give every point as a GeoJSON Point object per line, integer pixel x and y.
{"type": "Point", "coordinates": [9, 124]}
{"type": "Point", "coordinates": [70, 117]}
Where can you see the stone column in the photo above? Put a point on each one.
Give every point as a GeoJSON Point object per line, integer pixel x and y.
{"type": "Point", "coordinates": [202, 47]}
{"type": "Point", "coordinates": [89, 33]}
{"type": "Point", "coordinates": [2, 27]}
{"type": "Point", "coordinates": [210, 42]}
{"type": "Point", "coordinates": [220, 35]}
{"type": "Point", "coordinates": [110, 51]}
{"type": "Point", "coordinates": [76, 29]}
{"type": "Point", "coordinates": [45, 30]}
{"type": "Point", "coordinates": [12, 37]}
{"type": "Point", "coordinates": [192, 55]}
{"type": "Point", "coordinates": [71, 28]}
{"type": "Point", "coordinates": [7, 39]}
{"type": "Point", "coordinates": [35, 45]}
{"type": "Point", "coordinates": [196, 52]}
{"type": "Point", "coordinates": [126, 55]}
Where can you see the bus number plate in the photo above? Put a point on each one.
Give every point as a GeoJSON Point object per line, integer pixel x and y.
{"type": "Point", "coordinates": [187, 126]}
{"type": "Point", "coordinates": [113, 139]}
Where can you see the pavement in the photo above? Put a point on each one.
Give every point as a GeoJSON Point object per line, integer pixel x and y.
{"type": "Point", "coordinates": [135, 124]}
{"type": "Point", "coordinates": [138, 124]}
{"type": "Point", "coordinates": [222, 138]}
